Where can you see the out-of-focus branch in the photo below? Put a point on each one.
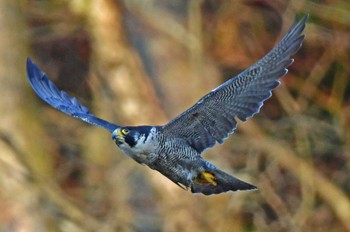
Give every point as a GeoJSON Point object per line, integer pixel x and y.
{"type": "Point", "coordinates": [168, 26]}
{"type": "Point", "coordinates": [48, 189]}
{"type": "Point", "coordinates": [334, 13]}
{"type": "Point", "coordinates": [12, 124]}
{"type": "Point", "coordinates": [22, 137]}
{"type": "Point", "coordinates": [330, 193]}
{"type": "Point", "coordinates": [116, 61]}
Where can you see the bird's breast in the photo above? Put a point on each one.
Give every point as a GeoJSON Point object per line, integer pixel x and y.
{"type": "Point", "coordinates": [145, 149]}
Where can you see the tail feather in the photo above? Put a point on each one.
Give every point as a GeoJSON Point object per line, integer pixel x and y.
{"type": "Point", "coordinates": [223, 183]}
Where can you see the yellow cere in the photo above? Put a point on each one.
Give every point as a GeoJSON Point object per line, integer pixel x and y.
{"type": "Point", "coordinates": [119, 133]}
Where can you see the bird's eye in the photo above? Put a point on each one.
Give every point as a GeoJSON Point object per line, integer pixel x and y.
{"type": "Point", "coordinates": [125, 131]}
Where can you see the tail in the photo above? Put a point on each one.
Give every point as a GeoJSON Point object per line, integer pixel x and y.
{"type": "Point", "coordinates": [215, 181]}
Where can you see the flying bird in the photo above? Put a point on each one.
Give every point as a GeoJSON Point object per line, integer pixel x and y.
{"type": "Point", "coordinates": [175, 149]}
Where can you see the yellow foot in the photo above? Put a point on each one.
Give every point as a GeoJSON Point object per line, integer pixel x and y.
{"type": "Point", "coordinates": [205, 178]}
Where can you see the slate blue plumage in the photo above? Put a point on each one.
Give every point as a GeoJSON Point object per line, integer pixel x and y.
{"type": "Point", "coordinates": [175, 148]}
{"type": "Point", "coordinates": [60, 99]}
{"type": "Point", "coordinates": [213, 117]}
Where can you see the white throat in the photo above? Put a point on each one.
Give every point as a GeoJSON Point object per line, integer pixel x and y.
{"type": "Point", "coordinates": [144, 146]}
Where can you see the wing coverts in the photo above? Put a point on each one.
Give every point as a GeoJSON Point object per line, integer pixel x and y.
{"type": "Point", "coordinates": [213, 118]}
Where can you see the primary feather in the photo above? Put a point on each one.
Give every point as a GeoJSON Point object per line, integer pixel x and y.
{"type": "Point", "coordinates": [213, 118]}
{"type": "Point", "coordinates": [60, 100]}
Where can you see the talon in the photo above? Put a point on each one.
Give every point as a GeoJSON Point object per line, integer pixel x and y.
{"type": "Point", "coordinates": [206, 178]}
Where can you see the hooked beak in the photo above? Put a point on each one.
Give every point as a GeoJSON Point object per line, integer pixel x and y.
{"type": "Point", "coordinates": [117, 136]}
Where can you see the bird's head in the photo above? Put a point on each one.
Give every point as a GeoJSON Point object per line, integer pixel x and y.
{"type": "Point", "coordinates": [137, 142]}
{"type": "Point", "coordinates": [124, 135]}
{"type": "Point", "coordinates": [131, 136]}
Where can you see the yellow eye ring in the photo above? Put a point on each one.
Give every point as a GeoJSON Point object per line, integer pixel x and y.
{"type": "Point", "coordinates": [125, 131]}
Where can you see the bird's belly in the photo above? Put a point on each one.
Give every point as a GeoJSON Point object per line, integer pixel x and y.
{"type": "Point", "coordinates": [180, 164]}
{"type": "Point", "coordinates": [142, 154]}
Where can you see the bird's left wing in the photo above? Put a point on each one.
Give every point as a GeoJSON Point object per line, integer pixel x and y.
{"type": "Point", "coordinates": [60, 100]}
{"type": "Point", "coordinates": [213, 117]}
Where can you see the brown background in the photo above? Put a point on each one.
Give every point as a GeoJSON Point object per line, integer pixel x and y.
{"type": "Point", "coordinates": [143, 62]}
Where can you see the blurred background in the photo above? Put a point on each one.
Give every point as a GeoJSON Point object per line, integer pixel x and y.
{"type": "Point", "coordinates": [144, 62]}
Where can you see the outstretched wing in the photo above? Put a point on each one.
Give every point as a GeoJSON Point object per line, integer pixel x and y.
{"type": "Point", "coordinates": [212, 118]}
{"type": "Point", "coordinates": [60, 99]}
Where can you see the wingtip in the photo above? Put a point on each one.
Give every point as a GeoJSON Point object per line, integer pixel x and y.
{"type": "Point", "coordinates": [302, 20]}
{"type": "Point", "coordinates": [306, 17]}
{"type": "Point", "coordinates": [31, 69]}
{"type": "Point", "coordinates": [29, 61]}
{"type": "Point", "coordinates": [29, 64]}
{"type": "Point", "coordinates": [59, 99]}
{"type": "Point", "coordinates": [301, 23]}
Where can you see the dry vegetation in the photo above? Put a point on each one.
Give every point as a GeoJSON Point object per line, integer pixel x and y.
{"type": "Point", "coordinates": [143, 62]}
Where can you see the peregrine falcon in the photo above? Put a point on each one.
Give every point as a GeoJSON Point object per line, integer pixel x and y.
{"type": "Point", "coordinates": [175, 149]}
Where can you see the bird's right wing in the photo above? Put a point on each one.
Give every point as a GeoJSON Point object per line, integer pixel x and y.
{"type": "Point", "coordinates": [60, 100]}
{"type": "Point", "coordinates": [214, 116]}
